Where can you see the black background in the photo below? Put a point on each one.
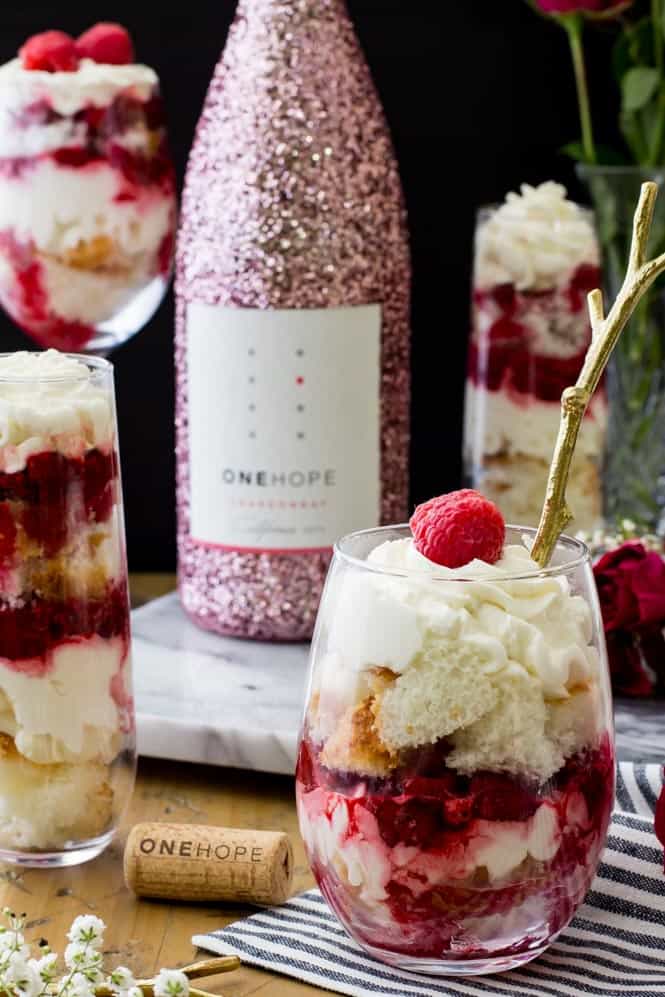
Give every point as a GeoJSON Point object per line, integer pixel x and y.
{"type": "Point", "coordinates": [479, 96]}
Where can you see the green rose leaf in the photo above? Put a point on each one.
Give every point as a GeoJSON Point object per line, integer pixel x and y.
{"type": "Point", "coordinates": [605, 153]}
{"type": "Point", "coordinates": [638, 87]}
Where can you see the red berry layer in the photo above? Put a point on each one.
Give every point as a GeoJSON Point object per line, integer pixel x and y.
{"type": "Point", "coordinates": [33, 627]}
{"type": "Point", "coordinates": [28, 300]}
{"type": "Point", "coordinates": [104, 128]}
{"type": "Point", "coordinates": [54, 496]}
{"type": "Point", "coordinates": [506, 356]}
{"type": "Point", "coordinates": [436, 814]}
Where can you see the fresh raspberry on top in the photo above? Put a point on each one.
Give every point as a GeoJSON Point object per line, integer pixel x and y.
{"type": "Point", "coordinates": [107, 43]}
{"type": "Point", "coordinates": [52, 52]}
{"type": "Point", "coordinates": [453, 529]}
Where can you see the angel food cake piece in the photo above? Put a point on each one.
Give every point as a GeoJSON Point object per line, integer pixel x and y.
{"type": "Point", "coordinates": [87, 190]}
{"type": "Point", "coordinates": [536, 259]}
{"type": "Point", "coordinates": [456, 748]}
{"type": "Point", "coordinates": [64, 612]}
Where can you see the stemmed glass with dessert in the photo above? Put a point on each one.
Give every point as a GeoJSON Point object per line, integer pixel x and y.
{"type": "Point", "coordinates": [87, 190]}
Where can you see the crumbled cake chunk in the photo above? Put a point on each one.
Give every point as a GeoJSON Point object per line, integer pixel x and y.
{"type": "Point", "coordinates": [356, 746]}
{"type": "Point", "coordinates": [448, 686]}
{"type": "Point", "coordinates": [47, 806]}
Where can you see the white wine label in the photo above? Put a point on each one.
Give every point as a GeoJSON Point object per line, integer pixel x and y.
{"type": "Point", "coordinates": [284, 425]}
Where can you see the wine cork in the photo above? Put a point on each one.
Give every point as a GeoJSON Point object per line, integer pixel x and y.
{"type": "Point", "coordinates": [197, 862]}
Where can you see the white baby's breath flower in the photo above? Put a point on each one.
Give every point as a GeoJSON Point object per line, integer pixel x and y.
{"type": "Point", "coordinates": [134, 992]}
{"type": "Point", "coordinates": [13, 941]}
{"type": "Point", "coordinates": [171, 983]}
{"type": "Point", "coordinates": [82, 957]}
{"type": "Point", "coordinates": [80, 986]}
{"type": "Point", "coordinates": [122, 979]}
{"type": "Point", "coordinates": [20, 978]}
{"type": "Point", "coordinates": [75, 953]}
{"type": "Point", "coordinates": [87, 930]}
{"type": "Point", "coordinates": [94, 974]}
{"type": "Point", "coordinates": [46, 966]}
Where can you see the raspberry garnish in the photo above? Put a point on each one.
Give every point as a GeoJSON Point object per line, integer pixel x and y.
{"type": "Point", "coordinates": [453, 529]}
{"type": "Point", "coordinates": [51, 51]}
{"type": "Point", "coordinates": [107, 43]}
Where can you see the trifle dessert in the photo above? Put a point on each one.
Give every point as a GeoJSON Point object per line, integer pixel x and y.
{"type": "Point", "coordinates": [456, 768]}
{"type": "Point", "coordinates": [536, 259]}
{"type": "Point", "coordinates": [87, 189]}
{"type": "Point", "coordinates": [66, 714]}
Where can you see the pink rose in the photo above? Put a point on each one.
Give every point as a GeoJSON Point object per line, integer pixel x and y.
{"type": "Point", "coordinates": [589, 8]}
{"type": "Point", "coordinates": [631, 586]}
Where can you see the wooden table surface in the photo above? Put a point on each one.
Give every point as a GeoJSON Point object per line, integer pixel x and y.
{"type": "Point", "coordinates": [148, 935]}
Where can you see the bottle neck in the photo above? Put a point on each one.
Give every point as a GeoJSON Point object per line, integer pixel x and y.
{"type": "Point", "coordinates": [299, 11]}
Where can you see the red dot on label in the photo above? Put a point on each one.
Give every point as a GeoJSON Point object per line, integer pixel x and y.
{"type": "Point", "coordinates": [300, 380]}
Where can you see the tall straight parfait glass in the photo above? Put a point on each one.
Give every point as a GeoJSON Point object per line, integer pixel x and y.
{"type": "Point", "coordinates": [67, 754]}
{"type": "Point", "coordinates": [456, 767]}
{"type": "Point", "coordinates": [536, 259]}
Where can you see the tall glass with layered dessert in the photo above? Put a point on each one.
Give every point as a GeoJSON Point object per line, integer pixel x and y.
{"type": "Point", "coordinates": [66, 709]}
{"type": "Point", "coordinates": [456, 768]}
{"type": "Point", "coordinates": [536, 258]}
{"type": "Point", "coordinates": [87, 190]}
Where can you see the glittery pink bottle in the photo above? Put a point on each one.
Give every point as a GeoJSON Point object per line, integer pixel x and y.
{"type": "Point", "coordinates": [292, 341]}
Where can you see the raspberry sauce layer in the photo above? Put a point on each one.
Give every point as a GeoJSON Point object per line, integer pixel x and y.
{"type": "Point", "coordinates": [506, 355]}
{"type": "Point", "coordinates": [54, 495]}
{"type": "Point", "coordinates": [442, 856]}
{"type": "Point", "coordinates": [97, 135]}
{"type": "Point", "coordinates": [28, 298]}
{"type": "Point", "coordinates": [32, 627]}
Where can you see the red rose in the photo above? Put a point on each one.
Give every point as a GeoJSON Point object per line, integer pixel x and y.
{"type": "Point", "coordinates": [659, 822]}
{"type": "Point", "coordinates": [629, 675]}
{"type": "Point", "coordinates": [631, 586]}
{"type": "Point", "coordinates": [590, 8]}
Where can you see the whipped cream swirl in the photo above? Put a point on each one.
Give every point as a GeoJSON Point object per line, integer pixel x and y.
{"type": "Point", "coordinates": [92, 85]}
{"type": "Point", "coordinates": [535, 240]}
{"type": "Point", "coordinates": [51, 401]}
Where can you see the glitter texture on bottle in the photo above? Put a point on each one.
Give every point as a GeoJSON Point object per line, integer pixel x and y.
{"type": "Point", "coordinates": [292, 338]}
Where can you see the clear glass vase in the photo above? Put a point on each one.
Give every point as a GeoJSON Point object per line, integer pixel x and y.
{"type": "Point", "coordinates": [456, 766]}
{"type": "Point", "coordinates": [634, 467]}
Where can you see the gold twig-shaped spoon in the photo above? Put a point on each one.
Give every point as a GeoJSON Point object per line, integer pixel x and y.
{"type": "Point", "coordinates": [196, 971]}
{"type": "Point", "coordinates": [211, 967]}
{"type": "Point", "coordinates": [574, 401]}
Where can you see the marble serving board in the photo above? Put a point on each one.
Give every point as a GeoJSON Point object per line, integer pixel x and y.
{"type": "Point", "coordinates": [204, 698]}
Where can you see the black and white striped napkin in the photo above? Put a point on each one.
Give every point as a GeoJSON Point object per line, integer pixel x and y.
{"type": "Point", "coordinates": [615, 946]}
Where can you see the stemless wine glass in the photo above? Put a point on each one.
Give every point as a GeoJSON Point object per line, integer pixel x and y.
{"type": "Point", "coordinates": [536, 258]}
{"type": "Point", "coordinates": [67, 755]}
{"type": "Point", "coordinates": [456, 766]}
{"type": "Point", "coordinates": [87, 203]}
